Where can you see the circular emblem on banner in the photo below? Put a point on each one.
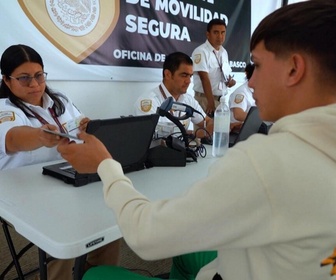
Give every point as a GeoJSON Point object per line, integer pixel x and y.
{"type": "Point", "coordinates": [74, 17]}
{"type": "Point", "coordinates": [76, 27]}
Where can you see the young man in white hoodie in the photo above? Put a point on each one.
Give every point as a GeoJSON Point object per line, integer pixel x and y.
{"type": "Point", "coordinates": [278, 220]}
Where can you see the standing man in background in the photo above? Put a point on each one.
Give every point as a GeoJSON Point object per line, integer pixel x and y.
{"type": "Point", "coordinates": [211, 68]}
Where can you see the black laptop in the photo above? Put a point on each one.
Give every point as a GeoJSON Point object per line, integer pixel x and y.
{"type": "Point", "coordinates": [127, 139]}
{"type": "Point", "coordinates": [250, 126]}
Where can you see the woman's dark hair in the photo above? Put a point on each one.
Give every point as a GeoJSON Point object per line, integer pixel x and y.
{"type": "Point", "coordinates": [13, 57]}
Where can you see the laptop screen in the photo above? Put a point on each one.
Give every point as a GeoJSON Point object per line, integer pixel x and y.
{"type": "Point", "coordinates": [126, 138]}
{"type": "Point", "coordinates": [250, 126]}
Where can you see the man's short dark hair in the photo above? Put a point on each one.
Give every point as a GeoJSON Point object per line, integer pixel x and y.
{"type": "Point", "coordinates": [174, 60]}
{"type": "Point", "coordinates": [215, 21]}
{"type": "Point", "coordinates": [308, 27]}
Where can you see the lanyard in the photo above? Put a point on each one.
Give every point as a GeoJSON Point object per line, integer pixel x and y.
{"type": "Point", "coordinates": [162, 92]}
{"type": "Point", "coordinates": [43, 121]}
{"type": "Point", "coordinates": [220, 63]}
{"type": "Point", "coordinates": [165, 97]}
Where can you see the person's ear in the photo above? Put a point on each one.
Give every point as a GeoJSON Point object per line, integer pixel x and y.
{"type": "Point", "coordinates": [297, 68]}
{"type": "Point", "coordinates": [167, 74]}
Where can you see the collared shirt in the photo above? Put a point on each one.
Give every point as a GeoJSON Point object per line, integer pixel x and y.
{"type": "Point", "coordinates": [205, 60]}
{"type": "Point", "coordinates": [242, 98]}
{"type": "Point", "coordinates": [11, 116]}
{"type": "Point", "coordinates": [148, 104]}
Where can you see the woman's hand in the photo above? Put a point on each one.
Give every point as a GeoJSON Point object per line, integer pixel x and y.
{"type": "Point", "coordinates": [83, 124]}
{"type": "Point", "coordinates": [47, 139]}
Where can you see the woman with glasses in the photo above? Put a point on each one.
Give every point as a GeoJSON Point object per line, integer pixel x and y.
{"type": "Point", "coordinates": [27, 106]}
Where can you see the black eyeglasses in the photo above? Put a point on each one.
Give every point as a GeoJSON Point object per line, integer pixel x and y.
{"type": "Point", "coordinates": [26, 80]}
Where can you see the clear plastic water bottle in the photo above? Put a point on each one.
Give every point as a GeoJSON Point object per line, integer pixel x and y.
{"type": "Point", "coordinates": [221, 133]}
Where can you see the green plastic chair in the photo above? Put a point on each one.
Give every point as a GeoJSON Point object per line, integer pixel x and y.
{"type": "Point", "coordinates": [106, 272]}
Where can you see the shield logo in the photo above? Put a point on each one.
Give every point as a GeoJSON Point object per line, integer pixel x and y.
{"type": "Point", "coordinates": [197, 58]}
{"type": "Point", "coordinates": [239, 98]}
{"type": "Point", "coordinates": [146, 105]}
{"type": "Point", "coordinates": [7, 116]}
{"type": "Point", "coordinates": [76, 27]}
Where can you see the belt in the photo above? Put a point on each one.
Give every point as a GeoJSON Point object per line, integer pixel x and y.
{"type": "Point", "coordinates": [201, 94]}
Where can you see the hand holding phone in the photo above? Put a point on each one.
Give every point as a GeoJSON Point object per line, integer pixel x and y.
{"type": "Point", "coordinates": [64, 135]}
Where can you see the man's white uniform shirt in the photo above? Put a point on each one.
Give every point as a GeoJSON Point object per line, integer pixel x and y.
{"type": "Point", "coordinates": [242, 98]}
{"type": "Point", "coordinates": [149, 102]}
{"type": "Point", "coordinates": [205, 60]}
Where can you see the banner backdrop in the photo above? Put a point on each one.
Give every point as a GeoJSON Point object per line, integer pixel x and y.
{"type": "Point", "coordinates": [128, 39]}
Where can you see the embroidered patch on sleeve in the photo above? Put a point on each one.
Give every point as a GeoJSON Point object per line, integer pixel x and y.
{"type": "Point", "coordinates": [239, 98]}
{"type": "Point", "coordinates": [7, 116]}
{"type": "Point", "coordinates": [146, 105]}
{"type": "Point", "coordinates": [197, 58]}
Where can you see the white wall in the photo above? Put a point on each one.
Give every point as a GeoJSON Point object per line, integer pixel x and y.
{"type": "Point", "coordinates": [100, 100]}
{"type": "Point", "coordinates": [260, 9]}
{"type": "Point", "coordinates": [112, 99]}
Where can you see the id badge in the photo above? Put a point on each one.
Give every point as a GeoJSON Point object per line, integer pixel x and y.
{"type": "Point", "coordinates": [72, 126]}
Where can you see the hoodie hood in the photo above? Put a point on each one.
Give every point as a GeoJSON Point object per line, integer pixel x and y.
{"type": "Point", "coordinates": [316, 126]}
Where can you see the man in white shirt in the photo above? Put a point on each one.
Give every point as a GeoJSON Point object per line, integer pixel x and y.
{"type": "Point", "coordinates": [211, 67]}
{"type": "Point", "coordinates": [241, 100]}
{"type": "Point", "coordinates": [177, 73]}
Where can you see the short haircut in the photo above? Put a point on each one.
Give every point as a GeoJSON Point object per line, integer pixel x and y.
{"type": "Point", "coordinates": [308, 27]}
{"type": "Point", "coordinates": [174, 60]}
{"type": "Point", "coordinates": [215, 21]}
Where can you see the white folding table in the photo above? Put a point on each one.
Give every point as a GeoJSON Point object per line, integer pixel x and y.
{"type": "Point", "coordinates": [68, 222]}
